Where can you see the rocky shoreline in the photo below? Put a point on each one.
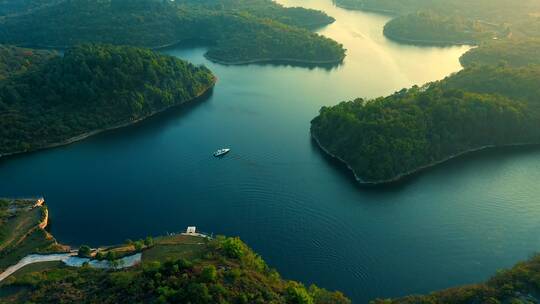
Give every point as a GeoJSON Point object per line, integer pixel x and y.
{"type": "Point", "coordinates": [404, 175]}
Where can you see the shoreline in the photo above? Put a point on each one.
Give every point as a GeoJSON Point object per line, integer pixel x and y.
{"type": "Point", "coordinates": [275, 60]}
{"type": "Point", "coordinates": [212, 59]}
{"type": "Point", "coordinates": [420, 42]}
{"type": "Point", "coordinates": [417, 170]}
{"type": "Point", "coordinates": [367, 9]}
{"type": "Point", "coordinates": [88, 134]}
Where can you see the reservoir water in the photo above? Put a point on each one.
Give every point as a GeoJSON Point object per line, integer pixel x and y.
{"type": "Point", "coordinates": [455, 224]}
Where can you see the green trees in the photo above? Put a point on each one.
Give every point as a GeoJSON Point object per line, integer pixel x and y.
{"type": "Point", "coordinates": [110, 256]}
{"type": "Point", "coordinates": [84, 251]}
{"type": "Point", "coordinates": [233, 247]}
{"type": "Point", "coordinates": [429, 27]}
{"type": "Point", "coordinates": [209, 274]}
{"type": "Point", "coordinates": [455, 21]}
{"type": "Point", "coordinates": [235, 30]}
{"type": "Point", "coordinates": [513, 52]}
{"type": "Point", "coordinates": [91, 87]}
{"type": "Point", "coordinates": [210, 277]}
{"type": "Point", "coordinates": [387, 138]}
{"type": "Point", "coordinates": [15, 60]}
{"type": "Point", "coordinates": [297, 294]}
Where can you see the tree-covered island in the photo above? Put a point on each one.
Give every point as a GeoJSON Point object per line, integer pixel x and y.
{"type": "Point", "coordinates": [236, 31]}
{"type": "Point", "coordinates": [48, 100]}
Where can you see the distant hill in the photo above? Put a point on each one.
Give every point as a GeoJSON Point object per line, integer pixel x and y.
{"type": "Point", "coordinates": [456, 21]}
{"type": "Point", "coordinates": [236, 31]}
{"type": "Point", "coordinates": [429, 27]}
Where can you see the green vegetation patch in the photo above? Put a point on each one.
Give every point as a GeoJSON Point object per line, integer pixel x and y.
{"type": "Point", "coordinates": [175, 247]}
{"type": "Point", "coordinates": [32, 268]}
{"type": "Point", "coordinates": [15, 60]}
{"type": "Point", "coordinates": [15, 228]}
{"type": "Point", "coordinates": [225, 271]}
{"type": "Point", "coordinates": [455, 21]}
{"type": "Point", "coordinates": [92, 88]}
{"type": "Point", "coordinates": [428, 27]}
{"type": "Point", "coordinates": [38, 241]}
{"type": "Point", "coordinates": [513, 52]}
{"type": "Point", "coordinates": [237, 31]}
{"type": "Point", "coordinates": [387, 138]}
{"type": "Point", "coordinates": [20, 233]}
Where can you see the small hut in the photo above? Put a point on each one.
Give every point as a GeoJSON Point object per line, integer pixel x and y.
{"type": "Point", "coordinates": [191, 230]}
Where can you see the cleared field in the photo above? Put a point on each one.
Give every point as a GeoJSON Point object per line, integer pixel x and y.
{"type": "Point", "coordinates": [14, 229]}
{"type": "Point", "coordinates": [174, 248]}
{"type": "Point", "coordinates": [37, 242]}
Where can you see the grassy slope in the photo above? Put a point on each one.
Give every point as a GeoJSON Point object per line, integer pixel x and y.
{"type": "Point", "coordinates": [175, 247]}
{"type": "Point", "coordinates": [175, 269]}
{"type": "Point", "coordinates": [19, 232]}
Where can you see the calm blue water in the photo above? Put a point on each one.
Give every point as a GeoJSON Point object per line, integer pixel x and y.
{"type": "Point", "coordinates": [303, 213]}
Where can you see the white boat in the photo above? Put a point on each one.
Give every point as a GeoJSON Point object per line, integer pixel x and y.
{"type": "Point", "coordinates": [221, 152]}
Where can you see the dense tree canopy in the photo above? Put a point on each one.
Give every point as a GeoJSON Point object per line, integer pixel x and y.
{"type": "Point", "coordinates": [492, 102]}
{"type": "Point", "coordinates": [516, 83]}
{"type": "Point", "coordinates": [15, 60]}
{"type": "Point", "coordinates": [91, 87]}
{"type": "Point", "coordinates": [386, 138]}
{"type": "Point", "coordinates": [433, 28]}
{"type": "Point", "coordinates": [236, 30]}
{"type": "Point", "coordinates": [214, 277]}
{"type": "Point", "coordinates": [514, 52]}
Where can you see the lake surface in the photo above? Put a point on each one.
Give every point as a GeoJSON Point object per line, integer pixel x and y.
{"type": "Point", "coordinates": [455, 224]}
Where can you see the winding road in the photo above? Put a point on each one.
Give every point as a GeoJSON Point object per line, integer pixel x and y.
{"type": "Point", "coordinates": [32, 259]}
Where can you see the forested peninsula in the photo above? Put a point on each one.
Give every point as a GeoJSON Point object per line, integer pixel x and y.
{"type": "Point", "coordinates": [236, 31]}
{"type": "Point", "coordinates": [388, 138]}
{"type": "Point", "coordinates": [492, 102]}
{"type": "Point", "coordinates": [177, 268]}
{"type": "Point", "coordinates": [48, 100]}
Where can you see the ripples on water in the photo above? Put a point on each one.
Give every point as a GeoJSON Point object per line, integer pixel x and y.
{"type": "Point", "coordinates": [302, 212]}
